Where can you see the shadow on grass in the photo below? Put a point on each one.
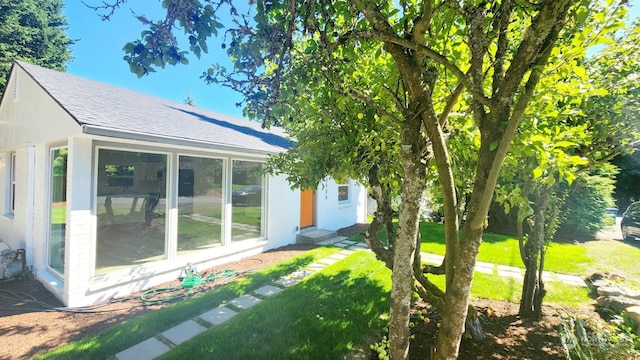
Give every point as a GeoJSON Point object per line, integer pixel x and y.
{"type": "Point", "coordinates": [323, 317]}
{"type": "Point", "coordinates": [129, 333]}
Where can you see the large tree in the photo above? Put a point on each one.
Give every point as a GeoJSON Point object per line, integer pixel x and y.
{"type": "Point", "coordinates": [32, 31]}
{"type": "Point", "coordinates": [413, 72]}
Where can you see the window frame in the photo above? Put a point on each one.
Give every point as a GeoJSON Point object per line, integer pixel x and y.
{"type": "Point", "coordinates": [50, 268]}
{"type": "Point", "coordinates": [131, 148]}
{"type": "Point", "coordinates": [348, 199]}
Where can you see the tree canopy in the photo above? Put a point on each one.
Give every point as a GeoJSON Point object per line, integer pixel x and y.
{"type": "Point", "coordinates": [385, 91]}
{"type": "Point", "coordinates": [32, 31]}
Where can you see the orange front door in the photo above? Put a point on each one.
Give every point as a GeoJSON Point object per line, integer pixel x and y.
{"type": "Point", "coordinates": [306, 208]}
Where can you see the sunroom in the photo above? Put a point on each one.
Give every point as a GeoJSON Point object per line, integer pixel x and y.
{"type": "Point", "coordinates": [112, 191]}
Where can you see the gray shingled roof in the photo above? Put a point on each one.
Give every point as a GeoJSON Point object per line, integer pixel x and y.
{"type": "Point", "coordinates": [114, 111]}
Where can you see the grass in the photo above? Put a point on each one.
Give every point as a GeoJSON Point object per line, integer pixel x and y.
{"type": "Point", "coordinates": [615, 257]}
{"type": "Point", "coordinates": [504, 250]}
{"type": "Point", "coordinates": [316, 319]}
{"type": "Point", "coordinates": [337, 311]}
{"type": "Point", "coordinates": [491, 286]}
{"type": "Point", "coordinates": [127, 334]}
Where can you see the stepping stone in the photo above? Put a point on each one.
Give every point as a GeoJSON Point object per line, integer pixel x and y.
{"type": "Point", "coordinates": [316, 266]}
{"type": "Point", "coordinates": [146, 350]}
{"type": "Point", "coordinates": [301, 274]}
{"type": "Point", "coordinates": [245, 301]}
{"type": "Point", "coordinates": [347, 252]}
{"type": "Point", "coordinates": [267, 290]}
{"type": "Point", "coordinates": [338, 256]}
{"type": "Point", "coordinates": [350, 242]}
{"type": "Point", "coordinates": [286, 281]}
{"type": "Point", "coordinates": [328, 261]}
{"type": "Point", "coordinates": [218, 315]}
{"type": "Point", "coordinates": [342, 244]}
{"type": "Point", "coordinates": [183, 332]}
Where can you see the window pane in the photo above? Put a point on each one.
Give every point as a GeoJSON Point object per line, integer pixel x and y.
{"type": "Point", "coordinates": [247, 200]}
{"type": "Point", "coordinates": [200, 203]}
{"type": "Point", "coordinates": [131, 208]}
{"type": "Point", "coordinates": [58, 209]}
{"type": "Point", "coordinates": [343, 192]}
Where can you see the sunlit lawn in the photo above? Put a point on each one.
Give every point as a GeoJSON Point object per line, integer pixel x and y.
{"type": "Point", "coordinates": [328, 315]}
{"type": "Point", "coordinates": [577, 259]}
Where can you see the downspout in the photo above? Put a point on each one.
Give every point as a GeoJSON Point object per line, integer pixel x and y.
{"type": "Point", "coordinates": [31, 166]}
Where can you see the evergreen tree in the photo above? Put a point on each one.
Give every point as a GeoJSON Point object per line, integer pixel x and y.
{"type": "Point", "coordinates": [32, 31]}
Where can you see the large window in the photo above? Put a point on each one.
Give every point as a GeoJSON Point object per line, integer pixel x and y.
{"type": "Point", "coordinates": [58, 209]}
{"type": "Point", "coordinates": [131, 208]}
{"type": "Point", "coordinates": [200, 203]}
{"type": "Point", "coordinates": [247, 200]}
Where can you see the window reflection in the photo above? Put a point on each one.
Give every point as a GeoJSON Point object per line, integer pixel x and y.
{"type": "Point", "coordinates": [131, 208]}
{"type": "Point", "coordinates": [200, 203]}
{"type": "Point", "coordinates": [58, 209]}
{"type": "Point", "coordinates": [247, 200]}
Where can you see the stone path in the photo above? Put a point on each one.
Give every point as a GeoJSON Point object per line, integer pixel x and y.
{"type": "Point", "coordinates": [509, 271]}
{"type": "Point", "coordinates": [166, 340]}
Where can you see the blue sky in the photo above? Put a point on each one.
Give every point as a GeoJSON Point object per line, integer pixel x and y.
{"type": "Point", "coordinates": [98, 56]}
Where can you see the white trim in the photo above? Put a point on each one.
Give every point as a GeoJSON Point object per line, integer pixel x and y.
{"type": "Point", "coordinates": [47, 248]}
{"type": "Point", "coordinates": [94, 205]}
{"type": "Point", "coordinates": [173, 154]}
{"type": "Point", "coordinates": [31, 167]}
{"type": "Point", "coordinates": [176, 178]}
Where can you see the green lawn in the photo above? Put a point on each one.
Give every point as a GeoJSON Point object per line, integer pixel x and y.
{"type": "Point", "coordinates": [504, 250]}
{"type": "Point", "coordinates": [338, 310]}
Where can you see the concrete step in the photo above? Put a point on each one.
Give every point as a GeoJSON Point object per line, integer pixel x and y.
{"type": "Point", "coordinates": [314, 236]}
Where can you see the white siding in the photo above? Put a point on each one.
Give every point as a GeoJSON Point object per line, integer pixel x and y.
{"type": "Point", "coordinates": [12, 226]}
{"type": "Point", "coordinates": [283, 212]}
{"type": "Point", "coordinates": [79, 249]}
{"type": "Point", "coordinates": [332, 214]}
{"type": "Point", "coordinates": [30, 115]}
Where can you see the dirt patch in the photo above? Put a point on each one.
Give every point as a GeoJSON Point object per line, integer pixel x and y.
{"type": "Point", "coordinates": [508, 336]}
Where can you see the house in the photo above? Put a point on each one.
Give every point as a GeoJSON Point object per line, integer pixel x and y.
{"type": "Point", "coordinates": [112, 191]}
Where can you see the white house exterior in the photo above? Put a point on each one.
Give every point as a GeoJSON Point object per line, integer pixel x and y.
{"type": "Point", "coordinates": [112, 191]}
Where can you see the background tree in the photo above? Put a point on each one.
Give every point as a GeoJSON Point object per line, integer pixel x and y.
{"type": "Point", "coordinates": [573, 130]}
{"type": "Point", "coordinates": [433, 52]}
{"type": "Point", "coordinates": [32, 31]}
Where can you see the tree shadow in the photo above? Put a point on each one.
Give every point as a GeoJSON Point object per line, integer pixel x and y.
{"type": "Point", "coordinates": [324, 316]}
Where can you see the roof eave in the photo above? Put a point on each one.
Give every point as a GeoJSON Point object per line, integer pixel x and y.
{"type": "Point", "coordinates": [123, 134]}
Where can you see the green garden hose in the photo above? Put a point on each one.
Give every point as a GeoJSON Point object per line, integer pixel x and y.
{"type": "Point", "coordinates": [188, 284]}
